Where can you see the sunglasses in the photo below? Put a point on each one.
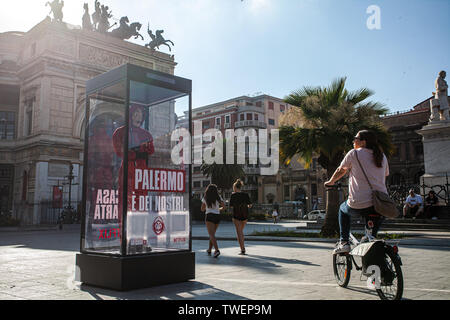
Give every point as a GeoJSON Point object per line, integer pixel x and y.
{"type": "Point", "coordinates": [356, 138]}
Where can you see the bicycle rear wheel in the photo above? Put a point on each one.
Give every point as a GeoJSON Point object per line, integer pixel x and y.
{"type": "Point", "coordinates": [392, 287]}
{"type": "Point", "coordinates": [342, 266]}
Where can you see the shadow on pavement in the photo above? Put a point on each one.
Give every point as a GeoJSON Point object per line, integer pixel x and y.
{"type": "Point", "coordinates": [366, 291]}
{"type": "Point", "coordinates": [267, 264]}
{"type": "Point", "coordinates": [189, 290]}
{"type": "Point", "coordinates": [285, 261]}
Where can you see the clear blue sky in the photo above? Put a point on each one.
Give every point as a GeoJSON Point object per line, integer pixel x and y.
{"type": "Point", "coordinates": [232, 47]}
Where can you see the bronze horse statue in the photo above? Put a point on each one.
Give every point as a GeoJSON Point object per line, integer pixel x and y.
{"type": "Point", "coordinates": [157, 39]}
{"type": "Point", "coordinates": [96, 15]}
{"type": "Point", "coordinates": [125, 31]}
{"type": "Point", "coordinates": [87, 25]}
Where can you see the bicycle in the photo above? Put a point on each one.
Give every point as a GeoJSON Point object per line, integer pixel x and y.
{"type": "Point", "coordinates": [375, 255]}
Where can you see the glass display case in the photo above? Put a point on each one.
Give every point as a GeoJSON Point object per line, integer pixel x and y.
{"type": "Point", "coordinates": [136, 199]}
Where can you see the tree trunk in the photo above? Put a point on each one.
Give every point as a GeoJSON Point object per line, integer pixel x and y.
{"type": "Point", "coordinates": [331, 224]}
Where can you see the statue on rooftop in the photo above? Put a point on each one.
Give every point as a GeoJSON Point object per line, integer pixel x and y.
{"type": "Point", "coordinates": [157, 39]}
{"type": "Point", "coordinates": [87, 24]}
{"type": "Point", "coordinates": [125, 31]}
{"type": "Point", "coordinates": [56, 8]}
{"type": "Point", "coordinates": [96, 15]}
{"type": "Point", "coordinates": [103, 24]}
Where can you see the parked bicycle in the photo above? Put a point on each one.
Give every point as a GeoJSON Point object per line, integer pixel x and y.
{"type": "Point", "coordinates": [378, 260]}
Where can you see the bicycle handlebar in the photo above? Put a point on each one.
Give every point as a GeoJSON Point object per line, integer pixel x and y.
{"type": "Point", "coordinates": [337, 186]}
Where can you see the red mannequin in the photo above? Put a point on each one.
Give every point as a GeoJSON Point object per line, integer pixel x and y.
{"type": "Point", "coordinates": [140, 145]}
{"type": "Point", "coordinates": [101, 157]}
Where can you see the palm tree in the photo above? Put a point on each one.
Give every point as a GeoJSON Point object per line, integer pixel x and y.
{"type": "Point", "coordinates": [328, 120]}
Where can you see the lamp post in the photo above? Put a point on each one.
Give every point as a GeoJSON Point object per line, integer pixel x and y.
{"type": "Point", "coordinates": [70, 177]}
{"type": "Point", "coordinates": [68, 209]}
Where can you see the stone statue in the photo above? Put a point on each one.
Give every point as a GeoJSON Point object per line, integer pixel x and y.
{"type": "Point", "coordinates": [56, 9]}
{"type": "Point", "coordinates": [126, 31]}
{"type": "Point", "coordinates": [96, 15]}
{"type": "Point", "coordinates": [157, 39]}
{"type": "Point", "coordinates": [87, 25]}
{"type": "Point", "coordinates": [439, 105]}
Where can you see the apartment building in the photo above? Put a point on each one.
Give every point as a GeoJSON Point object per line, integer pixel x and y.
{"type": "Point", "coordinates": [292, 183]}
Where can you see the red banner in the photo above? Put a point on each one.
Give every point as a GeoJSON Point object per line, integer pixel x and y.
{"type": "Point", "coordinates": [57, 197]}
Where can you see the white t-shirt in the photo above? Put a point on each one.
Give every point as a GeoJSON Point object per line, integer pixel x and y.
{"type": "Point", "coordinates": [414, 200]}
{"type": "Point", "coordinates": [359, 191]}
{"type": "Point", "coordinates": [214, 209]}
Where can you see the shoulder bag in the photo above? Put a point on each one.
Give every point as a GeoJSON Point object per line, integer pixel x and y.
{"type": "Point", "coordinates": [382, 203]}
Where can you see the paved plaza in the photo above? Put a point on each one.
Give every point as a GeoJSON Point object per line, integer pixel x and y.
{"type": "Point", "coordinates": [40, 265]}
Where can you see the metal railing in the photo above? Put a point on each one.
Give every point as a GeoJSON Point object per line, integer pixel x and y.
{"type": "Point", "coordinates": [47, 213]}
{"type": "Point", "coordinates": [399, 193]}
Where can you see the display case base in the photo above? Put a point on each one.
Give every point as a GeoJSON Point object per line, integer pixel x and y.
{"type": "Point", "coordinates": [134, 272]}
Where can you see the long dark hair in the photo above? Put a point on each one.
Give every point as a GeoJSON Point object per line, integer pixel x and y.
{"type": "Point", "coordinates": [212, 195]}
{"type": "Point", "coordinates": [372, 144]}
{"type": "Point", "coordinates": [238, 184]}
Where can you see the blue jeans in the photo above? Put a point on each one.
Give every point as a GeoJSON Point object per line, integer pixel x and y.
{"type": "Point", "coordinates": [345, 213]}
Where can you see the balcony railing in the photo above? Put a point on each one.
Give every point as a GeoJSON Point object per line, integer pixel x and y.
{"type": "Point", "coordinates": [250, 123]}
{"type": "Point", "coordinates": [251, 109]}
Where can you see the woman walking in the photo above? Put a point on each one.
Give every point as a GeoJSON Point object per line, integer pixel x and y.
{"type": "Point", "coordinates": [212, 204]}
{"type": "Point", "coordinates": [240, 202]}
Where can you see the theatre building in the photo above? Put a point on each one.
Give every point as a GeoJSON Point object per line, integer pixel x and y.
{"type": "Point", "coordinates": [43, 74]}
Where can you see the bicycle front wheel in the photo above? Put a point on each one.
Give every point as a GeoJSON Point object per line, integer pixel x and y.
{"type": "Point", "coordinates": [342, 266]}
{"type": "Point", "coordinates": [392, 282]}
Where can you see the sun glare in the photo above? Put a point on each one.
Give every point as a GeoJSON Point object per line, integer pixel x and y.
{"type": "Point", "coordinates": [22, 15]}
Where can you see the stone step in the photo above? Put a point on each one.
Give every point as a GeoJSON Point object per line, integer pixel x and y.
{"type": "Point", "coordinates": [407, 224]}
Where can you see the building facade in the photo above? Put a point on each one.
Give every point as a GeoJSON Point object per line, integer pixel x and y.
{"type": "Point", "coordinates": [292, 183]}
{"type": "Point", "coordinates": [406, 166]}
{"type": "Point", "coordinates": [43, 73]}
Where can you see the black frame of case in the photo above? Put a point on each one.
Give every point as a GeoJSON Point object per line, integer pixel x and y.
{"type": "Point", "coordinates": [122, 271]}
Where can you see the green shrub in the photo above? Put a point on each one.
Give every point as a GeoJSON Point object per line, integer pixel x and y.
{"type": "Point", "coordinates": [257, 216]}
{"type": "Point", "coordinates": [8, 221]}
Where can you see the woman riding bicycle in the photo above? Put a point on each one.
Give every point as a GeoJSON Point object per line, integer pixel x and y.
{"type": "Point", "coordinates": [367, 150]}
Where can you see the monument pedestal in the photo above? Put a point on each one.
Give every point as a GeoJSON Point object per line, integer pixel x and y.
{"type": "Point", "coordinates": [436, 147]}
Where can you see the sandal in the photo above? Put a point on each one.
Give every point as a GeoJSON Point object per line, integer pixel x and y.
{"type": "Point", "coordinates": [208, 252]}
{"type": "Point", "coordinates": [242, 252]}
{"type": "Point", "coordinates": [216, 254]}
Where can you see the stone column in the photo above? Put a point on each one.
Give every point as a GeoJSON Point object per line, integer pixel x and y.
{"type": "Point", "coordinates": [44, 104]}
{"type": "Point", "coordinates": [40, 189]}
{"type": "Point", "coordinates": [436, 147]}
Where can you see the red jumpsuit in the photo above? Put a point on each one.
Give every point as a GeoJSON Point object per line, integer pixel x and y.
{"type": "Point", "coordinates": [101, 158]}
{"type": "Point", "coordinates": [140, 145]}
